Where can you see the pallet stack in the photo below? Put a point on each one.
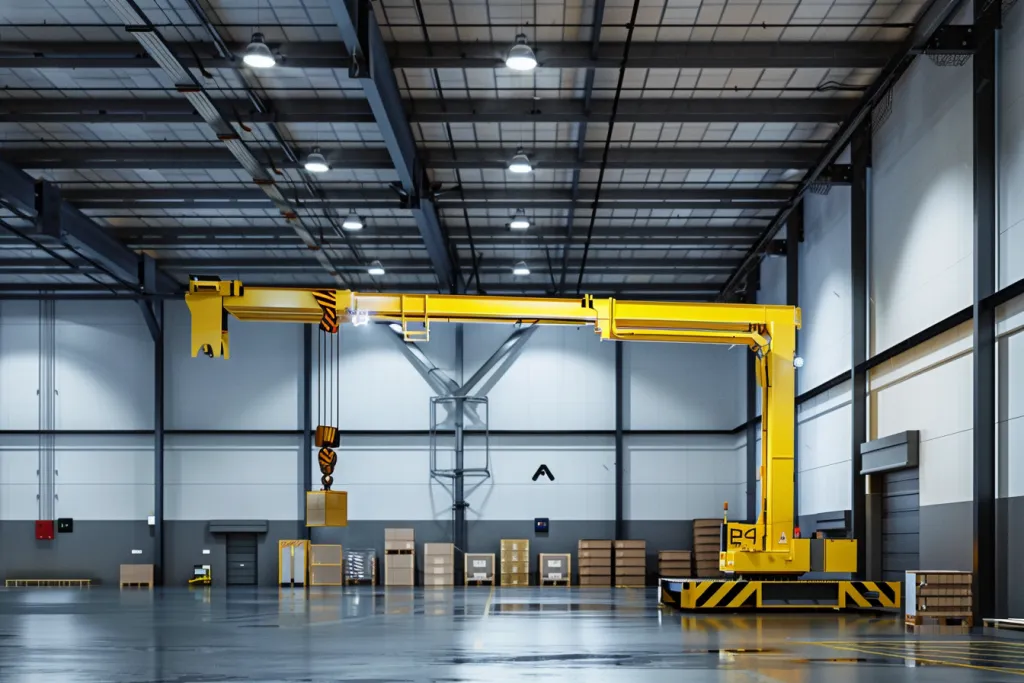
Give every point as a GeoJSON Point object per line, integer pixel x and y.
{"type": "Point", "coordinates": [630, 564]}
{"type": "Point", "coordinates": [675, 564]}
{"type": "Point", "coordinates": [361, 566]}
{"type": "Point", "coordinates": [939, 601]}
{"type": "Point", "coordinates": [399, 557]}
{"type": "Point", "coordinates": [555, 569]}
{"type": "Point", "coordinates": [326, 566]}
{"type": "Point", "coordinates": [707, 543]}
{"type": "Point", "coordinates": [595, 560]}
{"type": "Point", "coordinates": [438, 564]}
{"type": "Point", "coordinates": [515, 562]}
{"type": "Point", "coordinates": [479, 569]}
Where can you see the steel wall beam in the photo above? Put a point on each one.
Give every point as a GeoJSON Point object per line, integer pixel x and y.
{"type": "Point", "coordinates": [620, 441]}
{"type": "Point", "coordinates": [467, 55]}
{"type": "Point", "coordinates": [139, 207]}
{"type": "Point", "coordinates": [794, 236]}
{"type": "Point", "coordinates": [989, 596]}
{"type": "Point", "coordinates": [177, 157]}
{"type": "Point", "coordinates": [697, 110]}
{"type": "Point", "coordinates": [306, 452]}
{"type": "Point", "coordinates": [158, 446]}
{"type": "Point", "coordinates": [859, 216]}
{"type": "Point", "coordinates": [370, 63]}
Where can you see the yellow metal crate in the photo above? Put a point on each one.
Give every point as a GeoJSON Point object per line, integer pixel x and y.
{"type": "Point", "coordinates": [326, 508]}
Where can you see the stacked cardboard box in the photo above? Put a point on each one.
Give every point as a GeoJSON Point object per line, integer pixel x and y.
{"type": "Point", "coordinates": [595, 560]}
{"type": "Point", "coordinates": [675, 564]}
{"type": "Point", "coordinates": [631, 564]}
{"type": "Point", "coordinates": [555, 569]}
{"type": "Point", "coordinates": [707, 544]}
{"type": "Point", "coordinates": [480, 567]}
{"type": "Point", "coordinates": [515, 562]}
{"type": "Point", "coordinates": [438, 564]}
{"type": "Point", "coordinates": [938, 601]}
{"type": "Point", "coordinates": [399, 557]}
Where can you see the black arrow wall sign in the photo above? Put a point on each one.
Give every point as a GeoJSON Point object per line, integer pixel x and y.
{"type": "Point", "coordinates": [543, 469]}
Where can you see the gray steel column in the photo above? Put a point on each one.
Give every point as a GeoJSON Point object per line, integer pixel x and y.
{"type": "Point", "coordinates": [859, 192]}
{"type": "Point", "coordinates": [794, 236]}
{"type": "Point", "coordinates": [305, 461]}
{"type": "Point", "coordinates": [158, 445]}
{"type": "Point", "coordinates": [460, 535]}
{"type": "Point", "coordinates": [987, 18]}
{"type": "Point", "coordinates": [620, 450]}
{"type": "Point", "coordinates": [753, 427]}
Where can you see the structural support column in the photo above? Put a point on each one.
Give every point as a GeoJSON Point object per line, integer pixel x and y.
{"type": "Point", "coordinates": [158, 443]}
{"type": "Point", "coordinates": [859, 197]}
{"type": "Point", "coordinates": [620, 446]}
{"type": "Point", "coordinates": [794, 236]}
{"type": "Point", "coordinates": [753, 428]}
{"type": "Point", "coordinates": [987, 20]}
{"type": "Point", "coordinates": [460, 532]}
{"type": "Point", "coordinates": [306, 453]}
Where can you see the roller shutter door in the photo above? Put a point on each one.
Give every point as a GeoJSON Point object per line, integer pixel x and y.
{"type": "Point", "coordinates": [241, 569]}
{"type": "Point", "coordinates": [901, 523]}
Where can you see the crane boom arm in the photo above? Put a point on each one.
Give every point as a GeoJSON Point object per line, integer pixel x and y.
{"type": "Point", "coordinates": [767, 546]}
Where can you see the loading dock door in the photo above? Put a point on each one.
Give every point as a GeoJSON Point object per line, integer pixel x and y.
{"type": "Point", "coordinates": [901, 523]}
{"type": "Point", "coordinates": [241, 569]}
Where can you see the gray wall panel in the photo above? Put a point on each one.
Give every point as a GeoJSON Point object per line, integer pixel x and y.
{"type": "Point", "coordinates": [184, 543]}
{"type": "Point", "coordinates": [95, 550]}
{"type": "Point", "coordinates": [946, 536]}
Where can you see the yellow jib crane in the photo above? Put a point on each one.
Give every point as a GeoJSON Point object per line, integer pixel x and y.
{"type": "Point", "coordinates": [764, 549]}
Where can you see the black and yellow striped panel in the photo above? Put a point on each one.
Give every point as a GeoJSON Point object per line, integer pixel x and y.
{"type": "Point", "coordinates": [720, 594]}
{"type": "Point", "coordinates": [867, 594]}
{"type": "Point", "coordinates": [328, 301]}
{"type": "Point", "coordinates": [326, 435]}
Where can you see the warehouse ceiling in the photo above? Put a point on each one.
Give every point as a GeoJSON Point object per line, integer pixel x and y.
{"type": "Point", "coordinates": [662, 146]}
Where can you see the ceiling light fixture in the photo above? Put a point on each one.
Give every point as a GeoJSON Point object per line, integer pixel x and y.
{"type": "Point", "coordinates": [316, 162]}
{"type": "Point", "coordinates": [375, 269]}
{"type": "Point", "coordinates": [353, 222]}
{"type": "Point", "coordinates": [519, 221]}
{"type": "Point", "coordinates": [791, 174]}
{"type": "Point", "coordinates": [520, 269]}
{"type": "Point", "coordinates": [257, 54]}
{"type": "Point", "coordinates": [520, 163]}
{"type": "Point", "coordinates": [521, 57]}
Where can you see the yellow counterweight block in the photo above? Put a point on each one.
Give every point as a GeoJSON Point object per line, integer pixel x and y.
{"type": "Point", "coordinates": [327, 458]}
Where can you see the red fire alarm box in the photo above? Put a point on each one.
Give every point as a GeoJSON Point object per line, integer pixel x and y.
{"type": "Point", "coordinates": [44, 530]}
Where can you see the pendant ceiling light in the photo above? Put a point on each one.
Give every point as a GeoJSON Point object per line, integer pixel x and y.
{"type": "Point", "coordinates": [257, 54]}
{"type": "Point", "coordinates": [519, 221]}
{"type": "Point", "coordinates": [375, 269]}
{"type": "Point", "coordinates": [353, 222]}
{"type": "Point", "coordinates": [520, 163]}
{"type": "Point", "coordinates": [316, 163]}
{"type": "Point", "coordinates": [521, 56]}
{"type": "Point", "coordinates": [520, 269]}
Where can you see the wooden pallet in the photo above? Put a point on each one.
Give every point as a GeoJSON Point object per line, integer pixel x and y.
{"type": "Point", "coordinates": [137, 584]}
{"type": "Point", "coordinates": [1005, 624]}
{"type": "Point", "coordinates": [55, 583]}
{"type": "Point", "coordinates": [555, 582]}
{"type": "Point", "coordinates": [480, 582]}
{"type": "Point", "coordinates": [631, 585]}
{"type": "Point", "coordinates": [946, 624]}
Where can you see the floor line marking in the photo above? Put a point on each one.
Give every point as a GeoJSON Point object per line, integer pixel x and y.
{"type": "Point", "coordinates": [1017, 672]}
{"type": "Point", "coordinates": [487, 605]}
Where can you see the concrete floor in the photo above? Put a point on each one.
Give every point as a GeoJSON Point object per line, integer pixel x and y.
{"type": "Point", "coordinates": [538, 635]}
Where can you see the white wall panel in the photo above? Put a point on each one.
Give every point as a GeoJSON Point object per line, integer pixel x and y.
{"type": "Point", "coordinates": [1011, 150]}
{"type": "Point", "coordinates": [564, 379]}
{"type": "Point", "coordinates": [1010, 404]}
{"type": "Point", "coordinates": [773, 280]}
{"type": "Point", "coordinates": [19, 482]}
{"type": "Point", "coordinates": [257, 388]}
{"type": "Point", "coordinates": [104, 366]}
{"type": "Point", "coordinates": [683, 477]}
{"type": "Point", "coordinates": [19, 365]}
{"type": "Point", "coordinates": [825, 291]}
{"type": "Point", "coordinates": [922, 204]}
{"type": "Point", "coordinates": [824, 436]}
{"type": "Point", "coordinates": [684, 386]}
{"type": "Point", "coordinates": [583, 489]}
{"type": "Point", "coordinates": [232, 478]}
{"type": "Point", "coordinates": [380, 388]}
{"type": "Point", "coordinates": [930, 389]}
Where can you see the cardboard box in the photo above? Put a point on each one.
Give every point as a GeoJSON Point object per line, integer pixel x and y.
{"type": "Point", "coordinates": [630, 545]}
{"type": "Point", "coordinates": [399, 561]}
{"type": "Point", "coordinates": [515, 567]}
{"type": "Point", "coordinates": [511, 544]}
{"type": "Point", "coordinates": [137, 573]}
{"type": "Point", "coordinates": [595, 545]}
{"type": "Point", "coordinates": [399, 545]}
{"type": "Point", "coordinates": [602, 580]}
{"type": "Point", "coordinates": [595, 571]}
{"type": "Point", "coordinates": [325, 554]}
{"type": "Point", "coordinates": [591, 562]}
{"type": "Point", "coordinates": [438, 560]}
{"type": "Point", "coordinates": [395, 576]}
{"type": "Point", "coordinates": [630, 571]}
{"type": "Point", "coordinates": [515, 580]}
{"type": "Point", "coordinates": [630, 553]}
{"type": "Point", "coordinates": [631, 562]}
{"type": "Point", "coordinates": [603, 554]}
{"type": "Point", "coordinates": [438, 581]}
{"type": "Point", "coordinates": [556, 567]}
{"type": "Point", "coordinates": [399, 535]}
{"type": "Point", "coordinates": [447, 570]}
{"type": "Point", "coordinates": [515, 556]}
{"type": "Point", "coordinates": [438, 549]}
{"type": "Point", "coordinates": [479, 566]}
{"type": "Point", "coordinates": [326, 508]}
{"type": "Point", "coordinates": [674, 555]}
{"type": "Point", "coordinates": [326, 575]}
